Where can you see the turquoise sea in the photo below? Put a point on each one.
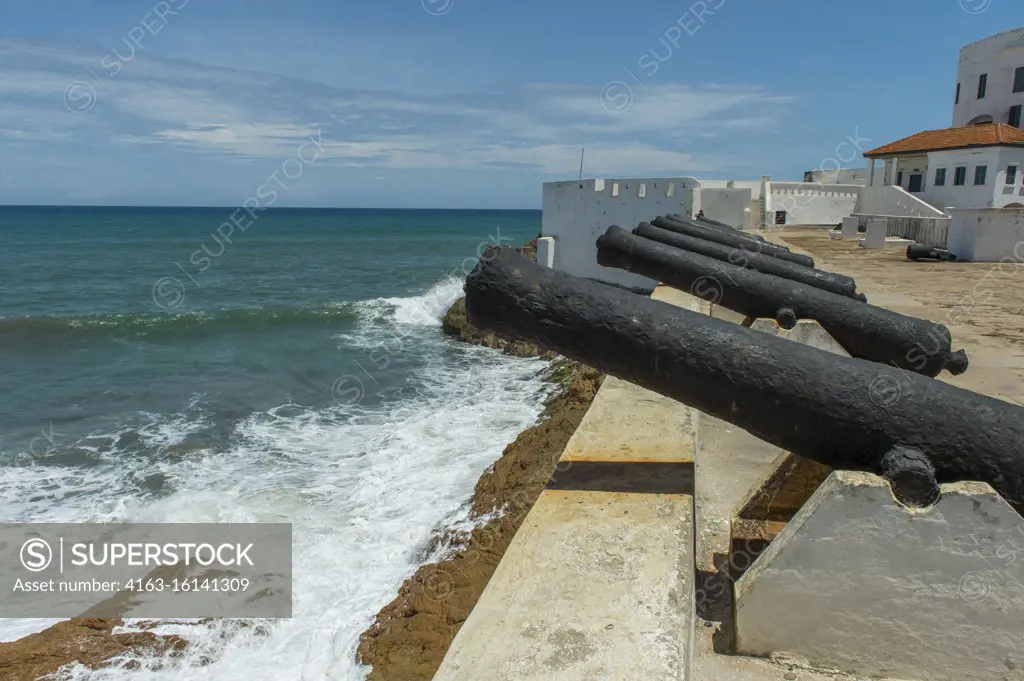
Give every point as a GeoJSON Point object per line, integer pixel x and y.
{"type": "Point", "coordinates": [288, 368]}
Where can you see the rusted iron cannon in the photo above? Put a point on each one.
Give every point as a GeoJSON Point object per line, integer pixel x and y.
{"type": "Point", "coordinates": [923, 252]}
{"type": "Point", "coordinates": [713, 222]}
{"type": "Point", "coordinates": [699, 219]}
{"type": "Point", "coordinates": [844, 413]}
{"type": "Point", "coordinates": [706, 222]}
{"type": "Point", "coordinates": [751, 258]}
{"type": "Point", "coordinates": [864, 331]}
{"type": "Point", "coordinates": [733, 238]}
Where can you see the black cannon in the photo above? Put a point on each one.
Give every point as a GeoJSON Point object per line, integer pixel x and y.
{"type": "Point", "coordinates": [743, 256]}
{"type": "Point", "coordinates": [923, 252]}
{"type": "Point", "coordinates": [733, 238]}
{"type": "Point", "coordinates": [711, 221]}
{"type": "Point", "coordinates": [705, 222]}
{"type": "Point", "coordinates": [864, 331]}
{"type": "Point", "coordinates": [699, 220]}
{"type": "Point", "coordinates": [844, 413]}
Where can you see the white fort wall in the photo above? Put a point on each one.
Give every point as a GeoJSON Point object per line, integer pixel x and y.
{"type": "Point", "coordinates": [999, 57]}
{"type": "Point", "coordinates": [892, 201]}
{"type": "Point", "coordinates": [987, 234]}
{"type": "Point", "coordinates": [812, 203]}
{"type": "Point", "coordinates": [576, 213]}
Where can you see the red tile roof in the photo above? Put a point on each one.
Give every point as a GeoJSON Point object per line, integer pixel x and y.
{"type": "Point", "coordinates": [987, 135]}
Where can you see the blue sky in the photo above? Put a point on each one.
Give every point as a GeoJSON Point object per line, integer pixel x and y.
{"type": "Point", "coordinates": [455, 103]}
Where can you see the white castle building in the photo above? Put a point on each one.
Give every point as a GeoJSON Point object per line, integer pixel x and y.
{"type": "Point", "coordinates": [978, 162]}
{"type": "Point", "coordinates": [960, 188]}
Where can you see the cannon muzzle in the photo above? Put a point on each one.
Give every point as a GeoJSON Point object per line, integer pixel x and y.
{"type": "Point", "coordinates": [733, 238]}
{"type": "Point", "coordinates": [864, 331]}
{"type": "Point", "coordinates": [752, 258]}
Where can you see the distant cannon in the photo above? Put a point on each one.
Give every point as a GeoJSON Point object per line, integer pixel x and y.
{"type": "Point", "coordinates": [699, 220]}
{"type": "Point", "coordinates": [710, 221]}
{"type": "Point", "coordinates": [844, 413]}
{"type": "Point", "coordinates": [705, 222]}
{"type": "Point", "coordinates": [734, 238]}
{"type": "Point", "coordinates": [864, 331]}
{"type": "Point", "coordinates": [923, 252]}
{"type": "Point", "coordinates": [751, 258]}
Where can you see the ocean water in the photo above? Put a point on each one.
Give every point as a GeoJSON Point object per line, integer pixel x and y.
{"type": "Point", "coordinates": [156, 371]}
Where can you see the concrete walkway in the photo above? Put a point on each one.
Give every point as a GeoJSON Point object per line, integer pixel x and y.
{"type": "Point", "coordinates": [598, 582]}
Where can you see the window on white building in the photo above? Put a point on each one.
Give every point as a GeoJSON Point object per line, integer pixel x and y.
{"type": "Point", "coordinates": [980, 173]}
{"type": "Point", "coordinates": [1014, 117]}
{"type": "Point", "coordinates": [960, 176]}
{"type": "Point", "coordinates": [982, 85]}
{"type": "Point", "coordinates": [957, 100]}
{"type": "Point", "coordinates": [1011, 175]}
{"type": "Point", "coordinates": [1018, 79]}
{"type": "Point", "coordinates": [899, 178]}
{"type": "Point", "coordinates": [940, 177]}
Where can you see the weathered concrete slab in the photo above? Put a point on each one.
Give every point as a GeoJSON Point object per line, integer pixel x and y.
{"type": "Point", "coordinates": [546, 251]}
{"type": "Point", "coordinates": [598, 582]}
{"type": "Point", "coordinates": [849, 230]}
{"type": "Point", "coordinates": [629, 424]}
{"type": "Point", "coordinates": [874, 237]}
{"type": "Point", "coordinates": [864, 584]}
{"type": "Point", "coordinates": [731, 463]}
{"type": "Point", "coordinates": [592, 587]}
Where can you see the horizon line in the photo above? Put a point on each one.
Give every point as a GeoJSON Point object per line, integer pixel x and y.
{"type": "Point", "coordinates": [235, 207]}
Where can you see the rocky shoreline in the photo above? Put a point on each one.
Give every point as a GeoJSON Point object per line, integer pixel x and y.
{"type": "Point", "coordinates": [410, 636]}
{"type": "Point", "coordinates": [90, 642]}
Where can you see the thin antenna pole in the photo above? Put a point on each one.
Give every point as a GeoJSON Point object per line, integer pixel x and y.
{"type": "Point", "coordinates": [582, 151]}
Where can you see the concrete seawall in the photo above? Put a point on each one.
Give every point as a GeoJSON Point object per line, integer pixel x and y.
{"type": "Point", "coordinates": [602, 567]}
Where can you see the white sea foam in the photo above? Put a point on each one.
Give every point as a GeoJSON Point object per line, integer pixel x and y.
{"type": "Point", "coordinates": [428, 309]}
{"type": "Point", "coordinates": [365, 488]}
{"type": "Point", "coordinates": [425, 310]}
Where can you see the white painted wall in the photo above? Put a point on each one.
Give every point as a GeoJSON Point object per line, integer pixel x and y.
{"type": "Point", "coordinates": [727, 205]}
{"type": "Point", "coordinates": [998, 56]}
{"type": "Point", "coordinates": [546, 252]}
{"type": "Point", "coordinates": [987, 235]}
{"type": "Point", "coordinates": [753, 185]}
{"type": "Point", "coordinates": [838, 176]}
{"type": "Point", "coordinates": [694, 188]}
{"type": "Point", "coordinates": [908, 165]}
{"type": "Point", "coordinates": [969, 195]}
{"type": "Point", "coordinates": [1006, 194]}
{"type": "Point", "coordinates": [891, 200]}
{"type": "Point", "coordinates": [813, 203]}
{"type": "Point", "coordinates": [575, 213]}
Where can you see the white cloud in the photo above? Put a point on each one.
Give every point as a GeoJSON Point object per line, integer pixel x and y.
{"type": "Point", "coordinates": [189, 108]}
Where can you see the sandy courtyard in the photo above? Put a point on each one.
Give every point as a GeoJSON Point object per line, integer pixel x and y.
{"type": "Point", "coordinates": [981, 303]}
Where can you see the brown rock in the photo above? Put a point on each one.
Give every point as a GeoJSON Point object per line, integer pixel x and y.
{"type": "Point", "coordinates": [455, 324]}
{"type": "Point", "coordinates": [90, 642]}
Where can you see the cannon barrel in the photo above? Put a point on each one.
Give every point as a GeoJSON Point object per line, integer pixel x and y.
{"type": "Point", "coordinates": [864, 331]}
{"type": "Point", "coordinates": [704, 222]}
{"type": "Point", "coordinates": [700, 221]}
{"type": "Point", "coordinates": [842, 412]}
{"type": "Point", "coordinates": [923, 252]}
{"type": "Point", "coordinates": [734, 238]}
{"type": "Point", "coordinates": [711, 221]}
{"type": "Point", "coordinates": [752, 258]}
